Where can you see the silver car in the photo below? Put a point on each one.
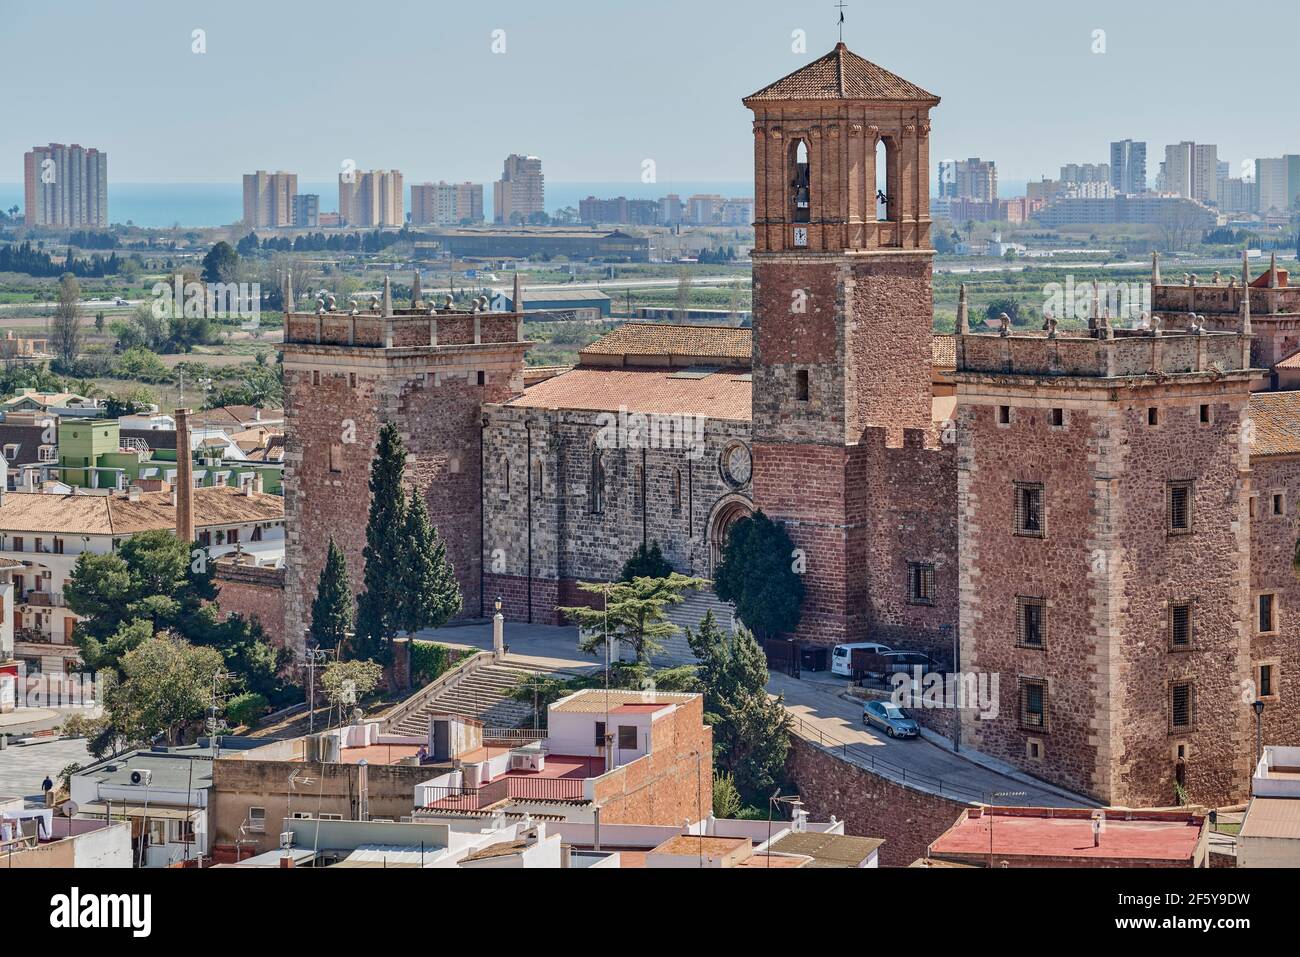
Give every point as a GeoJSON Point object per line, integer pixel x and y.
{"type": "Point", "coordinates": [890, 718]}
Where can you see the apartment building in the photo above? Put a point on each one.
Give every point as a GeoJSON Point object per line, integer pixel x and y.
{"type": "Point", "coordinates": [1128, 166]}
{"type": "Point", "coordinates": [446, 204]}
{"type": "Point", "coordinates": [521, 190]}
{"type": "Point", "coordinates": [269, 199]}
{"type": "Point", "coordinates": [65, 186]}
{"type": "Point", "coordinates": [373, 198]}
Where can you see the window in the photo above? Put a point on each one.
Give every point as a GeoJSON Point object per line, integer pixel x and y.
{"type": "Point", "coordinates": [800, 186]}
{"type": "Point", "coordinates": [1057, 418]}
{"type": "Point", "coordinates": [677, 492]}
{"type": "Point", "coordinates": [257, 820]}
{"type": "Point", "coordinates": [1153, 416]}
{"type": "Point", "coordinates": [1033, 704]}
{"type": "Point", "coordinates": [1029, 509]}
{"type": "Point", "coordinates": [336, 457]}
{"type": "Point", "coordinates": [315, 376]}
{"type": "Point", "coordinates": [1265, 681]}
{"type": "Point", "coordinates": [1178, 497]}
{"type": "Point", "coordinates": [505, 473]}
{"type": "Point", "coordinates": [1181, 706]}
{"type": "Point", "coordinates": [627, 737]}
{"type": "Point", "coordinates": [157, 833]}
{"type": "Point", "coordinates": [1205, 414]}
{"type": "Point", "coordinates": [232, 536]}
{"type": "Point", "coordinates": [537, 477]}
{"type": "Point", "coordinates": [257, 534]}
{"type": "Point", "coordinates": [1279, 504]}
{"type": "Point", "coordinates": [596, 498]}
{"type": "Point", "coordinates": [1252, 504]}
{"type": "Point", "coordinates": [1004, 415]}
{"type": "Point", "coordinates": [352, 380]}
{"type": "Point", "coordinates": [1180, 624]}
{"type": "Point", "coordinates": [801, 385]}
{"type": "Point", "coordinates": [600, 734]}
{"type": "Point", "coordinates": [920, 583]}
{"type": "Point", "coordinates": [330, 817]}
{"type": "Point", "coordinates": [58, 546]}
{"type": "Point", "coordinates": [182, 832]}
{"type": "Point", "coordinates": [1267, 605]}
{"type": "Point", "coordinates": [1031, 622]}
{"type": "Point", "coordinates": [482, 377]}
{"type": "Point", "coordinates": [18, 543]}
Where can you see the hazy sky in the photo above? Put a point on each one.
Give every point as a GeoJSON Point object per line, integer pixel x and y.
{"type": "Point", "coordinates": [595, 87]}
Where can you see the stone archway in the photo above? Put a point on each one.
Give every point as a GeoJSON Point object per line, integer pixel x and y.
{"type": "Point", "coordinates": [726, 513]}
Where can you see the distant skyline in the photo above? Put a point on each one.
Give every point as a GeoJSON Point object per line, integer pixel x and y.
{"type": "Point", "coordinates": [596, 89]}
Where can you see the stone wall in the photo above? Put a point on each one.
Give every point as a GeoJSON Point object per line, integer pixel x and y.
{"type": "Point", "coordinates": [869, 805]}
{"type": "Point", "coordinates": [1272, 551]}
{"type": "Point", "coordinates": [256, 593]}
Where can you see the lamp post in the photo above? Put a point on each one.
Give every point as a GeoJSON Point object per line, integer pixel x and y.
{"type": "Point", "coordinates": [498, 630]}
{"type": "Point", "coordinates": [1258, 708]}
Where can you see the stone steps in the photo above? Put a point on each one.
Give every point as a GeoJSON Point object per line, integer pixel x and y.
{"type": "Point", "coordinates": [482, 694]}
{"type": "Point", "coordinates": [689, 614]}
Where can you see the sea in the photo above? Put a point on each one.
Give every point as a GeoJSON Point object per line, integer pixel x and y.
{"type": "Point", "coordinates": [219, 204]}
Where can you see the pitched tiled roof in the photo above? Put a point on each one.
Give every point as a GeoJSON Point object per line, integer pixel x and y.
{"type": "Point", "coordinates": [717, 395]}
{"type": "Point", "coordinates": [670, 339]}
{"type": "Point", "coordinates": [1276, 418]}
{"type": "Point", "coordinates": [118, 515]}
{"type": "Point", "coordinates": [841, 75]}
{"type": "Point", "coordinates": [943, 350]}
{"type": "Point", "coordinates": [596, 700]}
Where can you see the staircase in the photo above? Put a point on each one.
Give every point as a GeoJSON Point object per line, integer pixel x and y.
{"type": "Point", "coordinates": [688, 614]}
{"type": "Point", "coordinates": [479, 688]}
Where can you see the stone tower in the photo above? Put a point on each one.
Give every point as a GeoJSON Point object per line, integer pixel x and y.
{"type": "Point", "coordinates": [428, 369]}
{"type": "Point", "coordinates": [842, 308]}
{"type": "Point", "coordinates": [1104, 552]}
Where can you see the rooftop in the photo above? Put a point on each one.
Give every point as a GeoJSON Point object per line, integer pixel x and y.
{"type": "Point", "coordinates": [1272, 817]}
{"type": "Point", "coordinates": [842, 75]}
{"type": "Point", "coordinates": [597, 700]}
{"type": "Point", "coordinates": [182, 768]}
{"type": "Point", "coordinates": [116, 514]}
{"type": "Point", "coordinates": [1276, 416]}
{"type": "Point", "coordinates": [670, 340]}
{"type": "Point", "coordinates": [715, 395]}
{"type": "Point", "coordinates": [828, 850]}
{"type": "Point", "coordinates": [1061, 833]}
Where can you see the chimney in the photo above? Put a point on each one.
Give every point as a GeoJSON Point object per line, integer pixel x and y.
{"type": "Point", "coordinates": [184, 478]}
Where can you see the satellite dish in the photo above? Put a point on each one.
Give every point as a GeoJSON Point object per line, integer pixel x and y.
{"type": "Point", "coordinates": [69, 808]}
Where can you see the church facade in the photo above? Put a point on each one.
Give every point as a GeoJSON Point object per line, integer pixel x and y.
{"type": "Point", "coordinates": [1105, 520]}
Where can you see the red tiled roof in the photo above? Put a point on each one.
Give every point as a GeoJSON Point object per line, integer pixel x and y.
{"type": "Point", "coordinates": [1275, 417]}
{"type": "Point", "coordinates": [719, 395]}
{"type": "Point", "coordinates": [670, 339]}
{"type": "Point", "coordinates": [841, 75]}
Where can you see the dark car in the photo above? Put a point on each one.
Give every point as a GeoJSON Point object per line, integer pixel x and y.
{"type": "Point", "coordinates": [890, 718]}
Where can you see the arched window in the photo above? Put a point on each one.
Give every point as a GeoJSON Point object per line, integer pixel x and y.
{"type": "Point", "coordinates": [677, 492]}
{"type": "Point", "coordinates": [537, 477]}
{"type": "Point", "coordinates": [801, 183]}
{"type": "Point", "coordinates": [596, 495]}
{"type": "Point", "coordinates": [886, 201]}
{"type": "Point", "coordinates": [505, 472]}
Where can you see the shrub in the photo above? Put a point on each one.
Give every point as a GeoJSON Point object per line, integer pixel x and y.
{"type": "Point", "coordinates": [246, 709]}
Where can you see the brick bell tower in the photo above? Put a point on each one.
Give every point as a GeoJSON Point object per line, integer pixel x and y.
{"type": "Point", "coordinates": [842, 308]}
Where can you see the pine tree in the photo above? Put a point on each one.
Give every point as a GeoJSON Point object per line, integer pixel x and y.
{"type": "Point", "coordinates": [757, 575]}
{"type": "Point", "coordinates": [633, 612]}
{"type": "Point", "coordinates": [646, 563]}
{"type": "Point", "coordinates": [430, 594]}
{"type": "Point", "coordinates": [379, 602]}
{"type": "Point", "coordinates": [331, 611]}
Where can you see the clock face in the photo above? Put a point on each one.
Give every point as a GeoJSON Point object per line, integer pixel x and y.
{"type": "Point", "coordinates": [801, 235]}
{"type": "Point", "coordinates": [736, 465]}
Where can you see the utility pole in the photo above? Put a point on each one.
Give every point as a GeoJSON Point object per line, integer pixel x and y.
{"type": "Point", "coordinates": [313, 658]}
{"type": "Point", "coordinates": [214, 726]}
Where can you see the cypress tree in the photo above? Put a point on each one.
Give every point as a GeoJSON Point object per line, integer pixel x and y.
{"type": "Point", "coordinates": [379, 602]}
{"type": "Point", "coordinates": [331, 610]}
{"type": "Point", "coordinates": [429, 593]}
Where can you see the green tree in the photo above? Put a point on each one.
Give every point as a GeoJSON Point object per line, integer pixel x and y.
{"type": "Point", "coordinates": [757, 574]}
{"type": "Point", "coordinates": [380, 601]}
{"type": "Point", "coordinates": [646, 563]}
{"type": "Point", "coordinates": [633, 613]}
{"type": "Point", "coordinates": [246, 709]}
{"type": "Point", "coordinates": [726, 799]}
{"type": "Point", "coordinates": [751, 730]}
{"type": "Point", "coordinates": [66, 328]}
{"type": "Point", "coordinates": [166, 685]}
{"type": "Point", "coordinates": [221, 263]}
{"type": "Point", "coordinates": [347, 682]}
{"type": "Point", "coordinates": [428, 594]}
{"type": "Point", "coordinates": [332, 609]}
{"type": "Point", "coordinates": [1008, 304]}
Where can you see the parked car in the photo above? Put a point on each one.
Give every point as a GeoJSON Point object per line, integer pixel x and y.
{"type": "Point", "coordinates": [842, 656]}
{"type": "Point", "coordinates": [890, 718]}
{"type": "Point", "coordinates": [902, 662]}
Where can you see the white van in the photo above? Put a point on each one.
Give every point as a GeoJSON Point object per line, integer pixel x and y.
{"type": "Point", "coordinates": [842, 656]}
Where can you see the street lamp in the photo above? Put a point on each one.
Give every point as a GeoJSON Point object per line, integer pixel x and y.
{"type": "Point", "coordinates": [1258, 708]}
{"type": "Point", "coordinates": [498, 604]}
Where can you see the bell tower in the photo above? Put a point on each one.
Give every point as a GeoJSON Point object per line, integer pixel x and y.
{"type": "Point", "coordinates": [842, 304]}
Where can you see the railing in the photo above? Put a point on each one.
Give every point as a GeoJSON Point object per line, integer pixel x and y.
{"type": "Point", "coordinates": [516, 787]}
{"type": "Point", "coordinates": [511, 737]}
{"type": "Point", "coordinates": [444, 681]}
{"type": "Point", "coordinates": [528, 788]}
{"type": "Point", "coordinates": [866, 758]}
{"type": "Point", "coordinates": [44, 599]}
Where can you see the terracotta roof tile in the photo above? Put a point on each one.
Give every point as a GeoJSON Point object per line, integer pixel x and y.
{"type": "Point", "coordinates": [841, 75]}
{"type": "Point", "coordinates": [670, 339]}
{"type": "Point", "coordinates": [1276, 418]}
{"type": "Point", "coordinates": [943, 350]}
{"type": "Point", "coordinates": [118, 515]}
{"type": "Point", "coordinates": [719, 395]}
{"type": "Point", "coordinates": [597, 700]}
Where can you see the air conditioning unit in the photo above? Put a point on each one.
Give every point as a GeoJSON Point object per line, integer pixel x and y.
{"type": "Point", "coordinates": [141, 777]}
{"type": "Point", "coordinates": [286, 839]}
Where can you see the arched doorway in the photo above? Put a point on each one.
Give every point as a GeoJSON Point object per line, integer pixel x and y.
{"type": "Point", "coordinates": [726, 513]}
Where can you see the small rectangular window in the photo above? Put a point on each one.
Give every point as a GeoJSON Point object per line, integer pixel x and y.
{"type": "Point", "coordinates": [801, 385]}
{"type": "Point", "coordinates": [1265, 681]}
{"type": "Point", "coordinates": [1180, 624]}
{"type": "Point", "coordinates": [482, 377]}
{"type": "Point", "coordinates": [1058, 418]}
{"type": "Point", "coordinates": [600, 734]}
{"type": "Point", "coordinates": [1279, 507]}
{"type": "Point", "coordinates": [1267, 613]}
{"type": "Point", "coordinates": [1033, 704]}
{"type": "Point", "coordinates": [257, 820]}
{"type": "Point", "coordinates": [315, 376]}
{"type": "Point", "coordinates": [1180, 706]}
{"type": "Point", "coordinates": [1031, 622]}
{"type": "Point", "coordinates": [1205, 414]}
{"type": "Point", "coordinates": [1029, 509]}
{"type": "Point", "coordinates": [1179, 506]}
{"type": "Point", "coordinates": [1004, 415]}
{"type": "Point", "coordinates": [352, 380]}
{"type": "Point", "coordinates": [1153, 416]}
{"type": "Point", "coordinates": [920, 583]}
{"type": "Point", "coordinates": [627, 737]}
{"type": "Point", "coordinates": [336, 457]}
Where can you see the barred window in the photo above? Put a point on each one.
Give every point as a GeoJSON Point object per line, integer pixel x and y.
{"type": "Point", "coordinates": [1029, 509]}
{"type": "Point", "coordinates": [1267, 613]}
{"type": "Point", "coordinates": [1033, 704]}
{"type": "Point", "coordinates": [1265, 681]}
{"type": "Point", "coordinates": [1179, 507]}
{"type": "Point", "coordinates": [1181, 706]}
{"type": "Point", "coordinates": [1031, 622]}
{"type": "Point", "coordinates": [1180, 624]}
{"type": "Point", "coordinates": [920, 583]}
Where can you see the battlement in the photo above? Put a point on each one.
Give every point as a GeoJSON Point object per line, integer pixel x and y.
{"type": "Point", "coordinates": [879, 437]}
{"type": "Point", "coordinates": [404, 328]}
{"type": "Point", "coordinates": [1217, 299]}
{"type": "Point", "coordinates": [1126, 353]}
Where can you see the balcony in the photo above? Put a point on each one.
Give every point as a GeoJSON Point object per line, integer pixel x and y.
{"type": "Point", "coordinates": [42, 599]}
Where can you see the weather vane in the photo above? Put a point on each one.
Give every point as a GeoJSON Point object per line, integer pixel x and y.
{"type": "Point", "coordinates": [840, 6]}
